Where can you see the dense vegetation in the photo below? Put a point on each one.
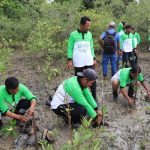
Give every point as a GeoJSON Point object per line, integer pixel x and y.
{"type": "Point", "coordinates": [39, 26]}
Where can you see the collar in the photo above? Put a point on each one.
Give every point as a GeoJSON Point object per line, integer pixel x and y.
{"type": "Point", "coordinates": [81, 32]}
{"type": "Point", "coordinates": [127, 33]}
{"type": "Point", "coordinates": [80, 83]}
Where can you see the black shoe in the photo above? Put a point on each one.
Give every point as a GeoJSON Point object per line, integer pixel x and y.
{"type": "Point", "coordinates": [115, 95]}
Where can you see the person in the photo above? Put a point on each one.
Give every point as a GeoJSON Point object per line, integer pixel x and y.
{"type": "Point", "coordinates": [136, 38]}
{"type": "Point", "coordinates": [11, 103]}
{"type": "Point", "coordinates": [109, 41]}
{"type": "Point", "coordinates": [127, 45]}
{"type": "Point", "coordinates": [80, 50]}
{"type": "Point", "coordinates": [120, 31]}
{"type": "Point", "coordinates": [128, 77]}
{"type": "Point", "coordinates": [74, 94]}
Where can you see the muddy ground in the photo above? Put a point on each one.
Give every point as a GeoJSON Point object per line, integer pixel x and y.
{"type": "Point", "coordinates": [131, 126]}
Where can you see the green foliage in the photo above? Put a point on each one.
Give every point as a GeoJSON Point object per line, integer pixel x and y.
{"type": "Point", "coordinates": [87, 138]}
{"type": "Point", "coordinates": [9, 130]}
{"type": "Point", "coordinates": [18, 18]}
{"type": "Point", "coordinates": [45, 145]}
{"type": "Point", "coordinates": [5, 54]}
{"type": "Point", "coordinates": [142, 144]}
{"type": "Point", "coordinates": [138, 15]}
{"type": "Point", "coordinates": [104, 110]}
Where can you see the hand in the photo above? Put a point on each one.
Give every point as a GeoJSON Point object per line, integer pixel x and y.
{"type": "Point", "coordinates": [22, 118]}
{"type": "Point", "coordinates": [148, 93]}
{"type": "Point", "coordinates": [131, 101]}
{"type": "Point", "coordinates": [99, 113]}
{"type": "Point", "coordinates": [95, 63]}
{"type": "Point", "coordinates": [30, 112]}
{"type": "Point", "coordinates": [69, 64]}
{"type": "Point", "coordinates": [99, 120]}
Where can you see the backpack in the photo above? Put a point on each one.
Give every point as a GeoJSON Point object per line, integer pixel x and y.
{"type": "Point", "coordinates": [109, 43]}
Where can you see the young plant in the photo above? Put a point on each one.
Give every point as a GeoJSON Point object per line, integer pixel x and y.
{"type": "Point", "coordinates": [45, 145]}
{"type": "Point", "coordinates": [9, 130]}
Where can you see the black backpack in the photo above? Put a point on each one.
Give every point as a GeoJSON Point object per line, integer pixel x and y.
{"type": "Point", "coordinates": [109, 43]}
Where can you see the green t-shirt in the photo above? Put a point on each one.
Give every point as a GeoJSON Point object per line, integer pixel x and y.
{"type": "Point", "coordinates": [7, 101]}
{"type": "Point", "coordinates": [125, 77]}
{"type": "Point", "coordinates": [127, 42]}
{"type": "Point", "coordinates": [82, 97]}
{"type": "Point", "coordinates": [77, 36]}
{"type": "Point", "coordinates": [137, 39]}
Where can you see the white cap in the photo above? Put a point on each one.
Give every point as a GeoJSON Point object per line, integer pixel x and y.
{"type": "Point", "coordinates": [112, 24]}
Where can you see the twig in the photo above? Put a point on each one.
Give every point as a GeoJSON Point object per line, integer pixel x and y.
{"type": "Point", "coordinates": [35, 133]}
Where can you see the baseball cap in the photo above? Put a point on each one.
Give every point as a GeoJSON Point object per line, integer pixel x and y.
{"type": "Point", "coordinates": [88, 73]}
{"type": "Point", "coordinates": [112, 24]}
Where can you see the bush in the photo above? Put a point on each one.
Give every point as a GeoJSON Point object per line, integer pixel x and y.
{"type": "Point", "coordinates": [5, 54]}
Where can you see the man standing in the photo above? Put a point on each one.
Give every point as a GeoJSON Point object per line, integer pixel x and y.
{"type": "Point", "coordinates": [11, 104]}
{"type": "Point", "coordinates": [74, 94]}
{"type": "Point", "coordinates": [136, 38]}
{"type": "Point", "coordinates": [128, 77]}
{"type": "Point", "coordinates": [80, 50]}
{"type": "Point", "coordinates": [109, 41]}
{"type": "Point", "coordinates": [127, 45]}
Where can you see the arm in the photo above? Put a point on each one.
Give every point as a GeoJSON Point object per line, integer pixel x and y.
{"type": "Point", "coordinates": [102, 37]}
{"type": "Point", "coordinates": [89, 98]}
{"type": "Point", "coordinates": [92, 47]}
{"type": "Point", "coordinates": [124, 93]}
{"type": "Point", "coordinates": [15, 116]}
{"type": "Point", "coordinates": [145, 87]}
{"type": "Point", "coordinates": [133, 44]}
{"type": "Point", "coordinates": [121, 42]}
{"type": "Point", "coordinates": [138, 38]}
{"type": "Point", "coordinates": [70, 51]}
{"type": "Point", "coordinates": [29, 96]}
{"type": "Point", "coordinates": [75, 92]}
{"type": "Point", "coordinates": [32, 107]}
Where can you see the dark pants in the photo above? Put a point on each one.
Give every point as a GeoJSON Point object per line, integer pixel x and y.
{"type": "Point", "coordinates": [77, 112]}
{"type": "Point", "coordinates": [93, 87]}
{"type": "Point", "coordinates": [130, 57]}
{"type": "Point", "coordinates": [21, 108]}
{"type": "Point", "coordinates": [131, 90]}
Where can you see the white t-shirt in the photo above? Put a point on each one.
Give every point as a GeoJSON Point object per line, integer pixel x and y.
{"type": "Point", "coordinates": [60, 98]}
{"type": "Point", "coordinates": [82, 55]}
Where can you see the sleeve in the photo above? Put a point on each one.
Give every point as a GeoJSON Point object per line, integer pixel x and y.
{"type": "Point", "coordinates": [26, 93]}
{"type": "Point", "coordinates": [138, 38]}
{"type": "Point", "coordinates": [70, 46]}
{"type": "Point", "coordinates": [103, 35]}
{"type": "Point", "coordinates": [121, 42]}
{"type": "Point", "coordinates": [140, 77]}
{"type": "Point", "coordinates": [92, 47]}
{"type": "Point", "coordinates": [76, 93]}
{"type": "Point", "coordinates": [89, 98]}
{"type": "Point", "coordinates": [123, 82]}
{"type": "Point", "coordinates": [3, 106]}
{"type": "Point", "coordinates": [133, 44]}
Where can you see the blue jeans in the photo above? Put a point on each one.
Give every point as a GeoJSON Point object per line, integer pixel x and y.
{"type": "Point", "coordinates": [119, 58]}
{"type": "Point", "coordinates": [105, 61]}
